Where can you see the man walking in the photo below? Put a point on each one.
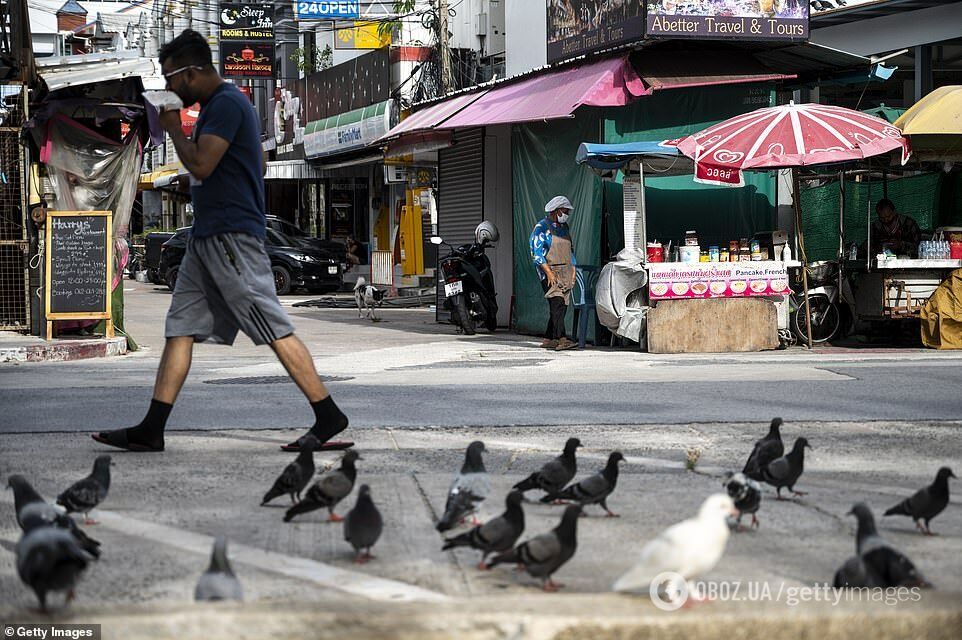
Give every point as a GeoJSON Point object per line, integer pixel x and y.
{"type": "Point", "coordinates": [225, 282]}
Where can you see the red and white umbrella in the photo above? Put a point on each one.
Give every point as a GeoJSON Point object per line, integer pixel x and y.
{"type": "Point", "coordinates": [791, 135]}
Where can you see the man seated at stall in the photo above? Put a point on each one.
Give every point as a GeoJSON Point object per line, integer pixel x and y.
{"type": "Point", "coordinates": [900, 234]}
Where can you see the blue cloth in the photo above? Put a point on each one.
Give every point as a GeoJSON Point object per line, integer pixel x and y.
{"type": "Point", "coordinates": [231, 199]}
{"type": "Point", "coordinates": [540, 242]}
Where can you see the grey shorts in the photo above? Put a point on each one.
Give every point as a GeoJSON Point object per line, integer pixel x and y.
{"type": "Point", "coordinates": [225, 284]}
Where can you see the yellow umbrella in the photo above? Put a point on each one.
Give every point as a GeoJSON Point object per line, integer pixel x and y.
{"type": "Point", "coordinates": [934, 125]}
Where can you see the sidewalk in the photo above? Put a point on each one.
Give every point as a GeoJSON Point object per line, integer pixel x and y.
{"type": "Point", "coordinates": [17, 348]}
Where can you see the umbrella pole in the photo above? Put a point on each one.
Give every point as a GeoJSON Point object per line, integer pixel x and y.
{"type": "Point", "coordinates": [797, 198]}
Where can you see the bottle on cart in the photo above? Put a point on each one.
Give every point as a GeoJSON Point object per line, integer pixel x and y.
{"type": "Point", "coordinates": [787, 253]}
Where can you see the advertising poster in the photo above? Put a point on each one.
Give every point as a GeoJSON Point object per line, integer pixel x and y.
{"type": "Point", "coordinates": [246, 59]}
{"type": "Point", "coordinates": [670, 280]}
{"type": "Point", "coordinates": [728, 19]}
{"type": "Point", "coordinates": [577, 27]}
{"type": "Point", "coordinates": [246, 40]}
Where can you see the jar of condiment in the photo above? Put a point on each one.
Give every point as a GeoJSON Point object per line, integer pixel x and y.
{"type": "Point", "coordinates": [744, 253]}
{"type": "Point", "coordinates": [733, 247]}
{"type": "Point", "coordinates": [703, 256]}
{"type": "Point", "coordinates": [691, 239]}
{"type": "Point", "coordinates": [723, 255]}
{"type": "Point", "coordinates": [713, 253]}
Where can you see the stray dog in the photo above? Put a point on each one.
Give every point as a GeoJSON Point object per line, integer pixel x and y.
{"type": "Point", "coordinates": [367, 298]}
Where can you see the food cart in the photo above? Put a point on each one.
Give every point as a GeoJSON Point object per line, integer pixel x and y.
{"type": "Point", "coordinates": [731, 305]}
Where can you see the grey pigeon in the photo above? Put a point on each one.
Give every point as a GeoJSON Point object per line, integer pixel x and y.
{"type": "Point", "coordinates": [747, 495]}
{"type": "Point", "coordinates": [926, 503]}
{"type": "Point", "coordinates": [468, 490]}
{"type": "Point", "coordinates": [766, 450]}
{"type": "Point", "coordinates": [330, 489]}
{"type": "Point", "coordinates": [785, 471]}
{"type": "Point", "coordinates": [554, 475]}
{"type": "Point", "coordinates": [32, 511]}
{"type": "Point", "coordinates": [594, 489]}
{"type": "Point", "coordinates": [496, 535]}
{"type": "Point", "coordinates": [50, 559]}
{"type": "Point", "coordinates": [363, 525]}
{"type": "Point", "coordinates": [84, 495]}
{"type": "Point", "coordinates": [544, 554]}
{"type": "Point", "coordinates": [296, 475]}
{"type": "Point", "coordinates": [219, 581]}
{"type": "Point", "coordinates": [877, 563]}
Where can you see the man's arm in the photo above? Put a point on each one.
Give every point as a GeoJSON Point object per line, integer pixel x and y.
{"type": "Point", "coordinates": [201, 157]}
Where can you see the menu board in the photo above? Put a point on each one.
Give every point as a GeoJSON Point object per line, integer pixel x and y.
{"type": "Point", "coordinates": [79, 264]}
{"type": "Point", "coordinates": [678, 280]}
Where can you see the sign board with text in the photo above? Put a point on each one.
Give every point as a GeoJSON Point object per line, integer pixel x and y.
{"type": "Point", "coordinates": [729, 20]}
{"type": "Point", "coordinates": [247, 22]}
{"type": "Point", "coordinates": [327, 10]}
{"type": "Point", "coordinates": [583, 26]}
{"type": "Point", "coordinates": [361, 35]}
{"type": "Point", "coordinates": [246, 60]}
{"type": "Point", "coordinates": [79, 266]}
{"type": "Point", "coordinates": [674, 280]}
{"type": "Point", "coordinates": [246, 40]}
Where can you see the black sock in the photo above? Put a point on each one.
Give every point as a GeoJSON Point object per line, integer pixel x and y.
{"type": "Point", "coordinates": [151, 428]}
{"type": "Point", "coordinates": [328, 419]}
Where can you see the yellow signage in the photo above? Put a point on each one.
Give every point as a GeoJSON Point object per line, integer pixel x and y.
{"type": "Point", "coordinates": [361, 35]}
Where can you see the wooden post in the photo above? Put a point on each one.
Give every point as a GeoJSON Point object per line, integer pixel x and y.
{"type": "Point", "coordinates": [797, 199]}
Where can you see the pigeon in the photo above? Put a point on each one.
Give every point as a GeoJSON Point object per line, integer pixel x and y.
{"type": "Point", "coordinates": [84, 495]}
{"type": "Point", "coordinates": [877, 563]}
{"type": "Point", "coordinates": [219, 581]}
{"type": "Point", "coordinates": [32, 511]}
{"type": "Point", "coordinates": [926, 503]}
{"type": "Point", "coordinates": [296, 475]}
{"type": "Point", "coordinates": [330, 488]}
{"type": "Point", "coordinates": [496, 535]}
{"type": "Point", "coordinates": [544, 554]}
{"type": "Point", "coordinates": [554, 475]}
{"type": "Point", "coordinates": [468, 490]}
{"type": "Point", "coordinates": [50, 559]}
{"type": "Point", "coordinates": [363, 525]}
{"type": "Point", "coordinates": [689, 548]}
{"type": "Point", "coordinates": [785, 471]}
{"type": "Point", "coordinates": [766, 450]}
{"type": "Point", "coordinates": [747, 495]}
{"type": "Point", "coordinates": [594, 489]}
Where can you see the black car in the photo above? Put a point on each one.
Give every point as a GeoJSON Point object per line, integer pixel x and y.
{"type": "Point", "coordinates": [294, 264]}
{"type": "Point", "coordinates": [301, 237]}
{"type": "Point", "coordinates": [152, 253]}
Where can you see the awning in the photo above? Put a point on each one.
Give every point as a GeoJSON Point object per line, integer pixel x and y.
{"type": "Point", "coordinates": [547, 96]}
{"type": "Point", "coordinates": [147, 180]}
{"type": "Point", "coordinates": [350, 131]}
{"type": "Point", "coordinates": [59, 72]}
{"type": "Point", "coordinates": [683, 69]}
{"type": "Point", "coordinates": [292, 170]}
{"type": "Point", "coordinates": [659, 161]}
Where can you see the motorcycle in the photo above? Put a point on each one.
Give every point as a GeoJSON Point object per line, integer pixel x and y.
{"type": "Point", "coordinates": [826, 308]}
{"type": "Point", "coordinates": [469, 282]}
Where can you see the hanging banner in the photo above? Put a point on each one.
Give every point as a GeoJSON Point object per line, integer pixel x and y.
{"type": "Point", "coordinates": [246, 40]}
{"type": "Point", "coordinates": [333, 10]}
{"type": "Point", "coordinates": [673, 280]}
{"type": "Point", "coordinates": [731, 20]}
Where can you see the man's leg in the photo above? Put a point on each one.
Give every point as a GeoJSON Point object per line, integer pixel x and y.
{"type": "Point", "coordinates": [328, 418]}
{"type": "Point", "coordinates": [149, 434]}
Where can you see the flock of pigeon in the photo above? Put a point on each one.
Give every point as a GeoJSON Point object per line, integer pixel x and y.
{"type": "Point", "coordinates": [54, 551]}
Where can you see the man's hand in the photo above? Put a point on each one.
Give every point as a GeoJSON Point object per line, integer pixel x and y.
{"type": "Point", "coordinates": [170, 119]}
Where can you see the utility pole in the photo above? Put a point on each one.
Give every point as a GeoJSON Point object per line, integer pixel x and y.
{"type": "Point", "coordinates": [445, 50]}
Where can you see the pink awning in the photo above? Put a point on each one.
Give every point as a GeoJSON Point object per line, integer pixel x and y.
{"type": "Point", "coordinates": [434, 116]}
{"type": "Point", "coordinates": [608, 83]}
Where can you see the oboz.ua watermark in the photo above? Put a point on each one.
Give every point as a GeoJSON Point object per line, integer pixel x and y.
{"type": "Point", "coordinates": [670, 591]}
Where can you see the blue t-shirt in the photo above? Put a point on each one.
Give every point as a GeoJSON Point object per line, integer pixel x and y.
{"type": "Point", "coordinates": [231, 199]}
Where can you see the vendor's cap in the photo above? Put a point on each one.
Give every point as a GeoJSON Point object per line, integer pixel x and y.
{"type": "Point", "coordinates": [558, 202]}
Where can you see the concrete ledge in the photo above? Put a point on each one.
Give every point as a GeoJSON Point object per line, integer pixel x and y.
{"type": "Point", "coordinates": [30, 349]}
{"type": "Point", "coordinates": [532, 617]}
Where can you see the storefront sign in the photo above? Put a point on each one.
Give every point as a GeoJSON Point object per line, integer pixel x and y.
{"type": "Point", "coordinates": [246, 60]}
{"type": "Point", "coordinates": [349, 131]}
{"type": "Point", "coordinates": [730, 20]}
{"type": "Point", "coordinates": [674, 280]}
{"type": "Point", "coordinates": [327, 10]}
{"type": "Point", "coordinates": [361, 35]}
{"type": "Point", "coordinates": [247, 22]}
{"type": "Point", "coordinates": [580, 27]}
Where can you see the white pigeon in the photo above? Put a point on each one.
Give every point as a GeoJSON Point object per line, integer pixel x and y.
{"type": "Point", "coordinates": [690, 548]}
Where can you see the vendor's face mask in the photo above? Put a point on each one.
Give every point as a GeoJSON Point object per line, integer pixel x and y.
{"type": "Point", "coordinates": [563, 217]}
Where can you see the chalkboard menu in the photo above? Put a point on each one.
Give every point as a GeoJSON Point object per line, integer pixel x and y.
{"type": "Point", "coordinates": [79, 264]}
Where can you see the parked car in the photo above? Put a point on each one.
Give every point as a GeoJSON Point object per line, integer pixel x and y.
{"type": "Point", "coordinates": [152, 251]}
{"type": "Point", "coordinates": [335, 248]}
{"type": "Point", "coordinates": [295, 265]}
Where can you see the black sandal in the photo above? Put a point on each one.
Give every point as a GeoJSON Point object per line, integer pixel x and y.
{"type": "Point", "coordinates": [330, 445]}
{"type": "Point", "coordinates": [118, 438]}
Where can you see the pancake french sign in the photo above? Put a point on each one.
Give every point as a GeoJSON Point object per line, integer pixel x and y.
{"type": "Point", "coordinates": [320, 10]}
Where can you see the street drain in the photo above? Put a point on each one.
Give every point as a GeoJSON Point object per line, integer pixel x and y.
{"type": "Point", "coordinates": [272, 380]}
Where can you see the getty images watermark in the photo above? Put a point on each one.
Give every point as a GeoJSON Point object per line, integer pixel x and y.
{"type": "Point", "coordinates": [670, 591]}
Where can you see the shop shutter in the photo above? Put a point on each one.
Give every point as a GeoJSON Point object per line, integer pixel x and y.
{"type": "Point", "coordinates": [460, 195]}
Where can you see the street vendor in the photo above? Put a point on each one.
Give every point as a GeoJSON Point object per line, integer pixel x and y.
{"type": "Point", "coordinates": [893, 231]}
{"type": "Point", "coordinates": [553, 254]}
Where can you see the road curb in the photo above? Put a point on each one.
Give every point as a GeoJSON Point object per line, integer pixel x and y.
{"type": "Point", "coordinates": [63, 350]}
